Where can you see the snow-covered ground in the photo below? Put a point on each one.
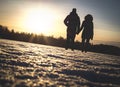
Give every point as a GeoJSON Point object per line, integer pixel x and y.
{"type": "Point", "coordinates": [34, 65]}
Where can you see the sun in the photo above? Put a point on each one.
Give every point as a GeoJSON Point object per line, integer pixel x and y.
{"type": "Point", "coordinates": [39, 20]}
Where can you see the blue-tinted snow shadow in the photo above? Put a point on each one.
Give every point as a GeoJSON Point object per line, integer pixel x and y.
{"type": "Point", "coordinates": [93, 76]}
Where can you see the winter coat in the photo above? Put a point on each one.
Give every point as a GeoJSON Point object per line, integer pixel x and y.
{"type": "Point", "coordinates": [87, 27]}
{"type": "Point", "coordinates": [72, 21]}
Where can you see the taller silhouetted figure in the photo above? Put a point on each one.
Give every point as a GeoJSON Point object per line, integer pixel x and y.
{"type": "Point", "coordinates": [87, 31]}
{"type": "Point", "coordinates": [72, 21]}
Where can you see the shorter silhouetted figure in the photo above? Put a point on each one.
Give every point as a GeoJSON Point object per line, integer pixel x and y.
{"type": "Point", "coordinates": [87, 31]}
{"type": "Point", "coordinates": [72, 21]}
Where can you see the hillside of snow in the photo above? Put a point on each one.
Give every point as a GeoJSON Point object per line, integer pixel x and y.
{"type": "Point", "coordinates": [33, 65]}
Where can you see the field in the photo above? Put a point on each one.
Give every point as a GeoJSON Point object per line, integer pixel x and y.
{"type": "Point", "coordinates": [33, 65]}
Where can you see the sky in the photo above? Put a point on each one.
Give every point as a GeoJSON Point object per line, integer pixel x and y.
{"type": "Point", "coordinates": [47, 16]}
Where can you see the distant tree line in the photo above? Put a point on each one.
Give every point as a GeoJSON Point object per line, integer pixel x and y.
{"type": "Point", "coordinates": [5, 33]}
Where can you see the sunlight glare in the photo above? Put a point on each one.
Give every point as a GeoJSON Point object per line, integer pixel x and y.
{"type": "Point", "coordinates": [39, 20]}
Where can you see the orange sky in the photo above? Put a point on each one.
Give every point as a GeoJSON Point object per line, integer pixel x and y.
{"type": "Point", "coordinates": [47, 18]}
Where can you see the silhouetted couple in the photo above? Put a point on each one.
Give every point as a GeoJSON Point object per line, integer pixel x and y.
{"type": "Point", "coordinates": [72, 21]}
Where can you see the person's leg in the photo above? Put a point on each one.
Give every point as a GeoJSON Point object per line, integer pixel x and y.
{"type": "Point", "coordinates": [83, 44]}
{"type": "Point", "coordinates": [88, 40]}
{"type": "Point", "coordinates": [72, 42]}
{"type": "Point", "coordinates": [83, 40]}
{"type": "Point", "coordinates": [87, 45]}
{"type": "Point", "coordinates": [67, 42]}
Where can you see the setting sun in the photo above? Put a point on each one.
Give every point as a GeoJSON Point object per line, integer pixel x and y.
{"type": "Point", "coordinates": [47, 17]}
{"type": "Point", "coordinates": [39, 20]}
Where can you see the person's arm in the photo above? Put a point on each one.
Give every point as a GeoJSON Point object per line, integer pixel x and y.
{"type": "Point", "coordinates": [92, 31]}
{"type": "Point", "coordinates": [66, 21]}
{"type": "Point", "coordinates": [81, 26]}
{"type": "Point", "coordinates": [78, 25]}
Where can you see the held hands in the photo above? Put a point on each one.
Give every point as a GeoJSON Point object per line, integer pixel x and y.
{"type": "Point", "coordinates": [78, 31]}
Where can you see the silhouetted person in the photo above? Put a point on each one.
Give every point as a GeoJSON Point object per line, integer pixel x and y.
{"type": "Point", "coordinates": [72, 21]}
{"type": "Point", "coordinates": [87, 31]}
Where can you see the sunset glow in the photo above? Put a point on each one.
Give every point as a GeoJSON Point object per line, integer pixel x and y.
{"type": "Point", "coordinates": [47, 16]}
{"type": "Point", "coordinates": [39, 20]}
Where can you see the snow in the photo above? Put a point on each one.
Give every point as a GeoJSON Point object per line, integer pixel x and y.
{"type": "Point", "coordinates": [34, 65]}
